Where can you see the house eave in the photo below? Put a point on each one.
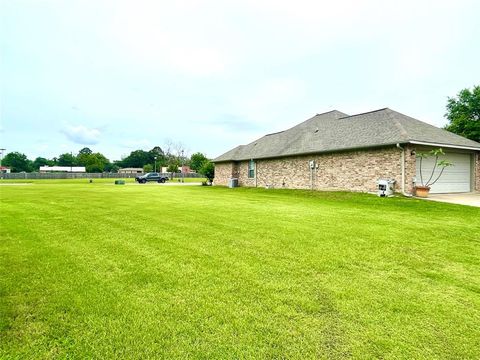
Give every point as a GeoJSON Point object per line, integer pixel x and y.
{"type": "Point", "coordinates": [413, 142]}
{"type": "Point", "coordinates": [444, 145]}
{"type": "Point", "coordinates": [329, 151]}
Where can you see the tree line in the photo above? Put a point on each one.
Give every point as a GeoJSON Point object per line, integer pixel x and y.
{"type": "Point", "coordinates": [95, 162]}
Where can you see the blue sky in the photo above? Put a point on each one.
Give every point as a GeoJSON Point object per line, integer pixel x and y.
{"type": "Point", "coordinates": [123, 75]}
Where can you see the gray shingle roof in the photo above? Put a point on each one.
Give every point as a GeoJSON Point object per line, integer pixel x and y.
{"type": "Point", "coordinates": [334, 131]}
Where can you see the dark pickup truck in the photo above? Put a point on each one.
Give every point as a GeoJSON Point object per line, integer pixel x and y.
{"type": "Point", "coordinates": [151, 177]}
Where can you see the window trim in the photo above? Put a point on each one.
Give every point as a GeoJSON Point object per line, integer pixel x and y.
{"type": "Point", "coordinates": [251, 169]}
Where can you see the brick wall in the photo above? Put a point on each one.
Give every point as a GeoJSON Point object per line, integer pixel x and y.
{"type": "Point", "coordinates": [410, 168]}
{"type": "Point", "coordinates": [242, 174]}
{"type": "Point", "coordinates": [223, 172]}
{"type": "Point", "coordinates": [353, 170]}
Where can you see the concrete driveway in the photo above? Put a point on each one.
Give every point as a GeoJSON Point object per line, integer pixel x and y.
{"type": "Point", "coordinates": [472, 198]}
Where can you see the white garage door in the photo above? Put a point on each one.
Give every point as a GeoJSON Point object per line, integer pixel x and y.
{"type": "Point", "coordinates": [455, 178]}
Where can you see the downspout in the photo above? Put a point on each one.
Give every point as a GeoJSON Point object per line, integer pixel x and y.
{"type": "Point", "coordinates": [403, 170]}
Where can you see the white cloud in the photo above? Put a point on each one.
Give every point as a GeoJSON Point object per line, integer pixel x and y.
{"type": "Point", "coordinates": [82, 135]}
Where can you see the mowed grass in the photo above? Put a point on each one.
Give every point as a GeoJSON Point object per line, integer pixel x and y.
{"type": "Point", "coordinates": [136, 272]}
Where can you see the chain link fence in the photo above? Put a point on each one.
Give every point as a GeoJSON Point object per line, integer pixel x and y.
{"type": "Point", "coordinates": [31, 176]}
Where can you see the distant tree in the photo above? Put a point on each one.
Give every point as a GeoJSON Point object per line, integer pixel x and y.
{"type": "Point", "coordinates": [83, 159]}
{"type": "Point", "coordinates": [96, 162]}
{"type": "Point", "coordinates": [137, 158]}
{"type": "Point", "coordinates": [17, 162]}
{"type": "Point", "coordinates": [40, 161]}
{"type": "Point", "coordinates": [93, 162]}
{"type": "Point", "coordinates": [463, 113]}
{"type": "Point", "coordinates": [67, 159]}
{"type": "Point", "coordinates": [158, 158]}
{"type": "Point", "coordinates": [85, 151]}
{"type": "Point", "coordinates": [197, 160]}
{"type": "Point", "coordinates": [112, 168]}
{"type": "Point", "coordinates": [158, 153]}
{"type": "Point", "coordinates": [118, 163]}
{"type": "Point", "coordinates": [175, 152]}
{"type": "Point", "coordinates": [208, 170]}
{"type": "Point", "coordinates": [172, 168]}
{"type": "Point", "coordinates": [148, 168]}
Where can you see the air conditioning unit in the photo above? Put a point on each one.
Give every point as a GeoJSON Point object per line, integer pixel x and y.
{"type": "Point", "coordinates": [232, 182]}
{"type": "Point", "coordinates": [385, 187]}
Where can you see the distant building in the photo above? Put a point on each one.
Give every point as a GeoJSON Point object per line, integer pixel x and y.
{"type": "Point", "coordinates": [4, 170]}
{"type": "Point", "coordinates": [185, 169]}
{"type": "Point", "coordinates": [130, 171]}
{"type": "Point", "coordinates": [72, 169]}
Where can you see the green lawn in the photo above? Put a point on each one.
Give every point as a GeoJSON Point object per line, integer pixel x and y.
{"type": "Point", "coordinates": [136, 272]}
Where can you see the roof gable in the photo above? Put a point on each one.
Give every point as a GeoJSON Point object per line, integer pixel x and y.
{"type": "Point", "coordinates": [334, 131]}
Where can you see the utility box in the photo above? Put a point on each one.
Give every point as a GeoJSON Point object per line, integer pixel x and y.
{"type": "Point", "coordinates": [385, 187]}
{"type": "Point", "coordinates": [232, 182]}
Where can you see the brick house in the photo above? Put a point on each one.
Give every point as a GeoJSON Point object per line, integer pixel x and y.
{"type": "Point", "coordinates": [336, 151]}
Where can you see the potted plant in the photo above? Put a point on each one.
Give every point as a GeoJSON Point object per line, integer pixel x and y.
{"type": "Point", "coordinates": [423, 189]}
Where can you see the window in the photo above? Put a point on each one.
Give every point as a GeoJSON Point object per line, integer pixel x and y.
{"type": "Point", "coordinates": [251, 169]}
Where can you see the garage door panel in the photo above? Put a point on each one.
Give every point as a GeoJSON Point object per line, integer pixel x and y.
{"type": "Point", "coordinates": [455, 178]}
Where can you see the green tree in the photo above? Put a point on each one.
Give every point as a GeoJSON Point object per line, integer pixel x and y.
{"type": "Point", "coordinates": [40, 161]}
{"type": "Point", "coordinates": [172, 168]}
{"type": "Point", "coordinates": [113, 168]}
{"type": "Point", "coordinates": [96, 162]}
{"type": "Point", "coordinates": [17, 162]}
{"type": "Point", "coordinates": [85, 151]}
{"type": "Point", "coordinates": [67, 159]}
{"type": "Point", "coordinates": [208, 170]}
{"type": "Point", "coordinates": [463, 114]}
{"type": "Point", "coordinates": [137, 158]}
{"type": "Point", "coordinates": [93, 162]}
{"type": "Point", "coordinates": [158, 158]}
{"type": "Point", "coordinates": [197, 160]}
{"type": "Point", "coordinates": [148, 168]}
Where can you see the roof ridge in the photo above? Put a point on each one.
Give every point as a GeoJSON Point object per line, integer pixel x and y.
{"type": "Point", "coordinates": [364, 113]}
{"type": "Point", "coordinates": [313, 117]}
{"type": "Point", "coordinates": [326, 112]}
{"type": "Point", "coordinates": [398, 125]}
{"type": "Point", "coordinates": [276, 132]}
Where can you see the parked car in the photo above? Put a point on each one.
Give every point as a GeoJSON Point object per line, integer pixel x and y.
{"type": "Point", "coordinates": [151, 177]}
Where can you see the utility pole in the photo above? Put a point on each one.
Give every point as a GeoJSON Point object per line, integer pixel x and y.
{"type": "Point", "coordinates": [1, 156]}
{"type": "Point", "coordinates": [183, 179]}
{"type": "Point", "coordinates": [155, 164]}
